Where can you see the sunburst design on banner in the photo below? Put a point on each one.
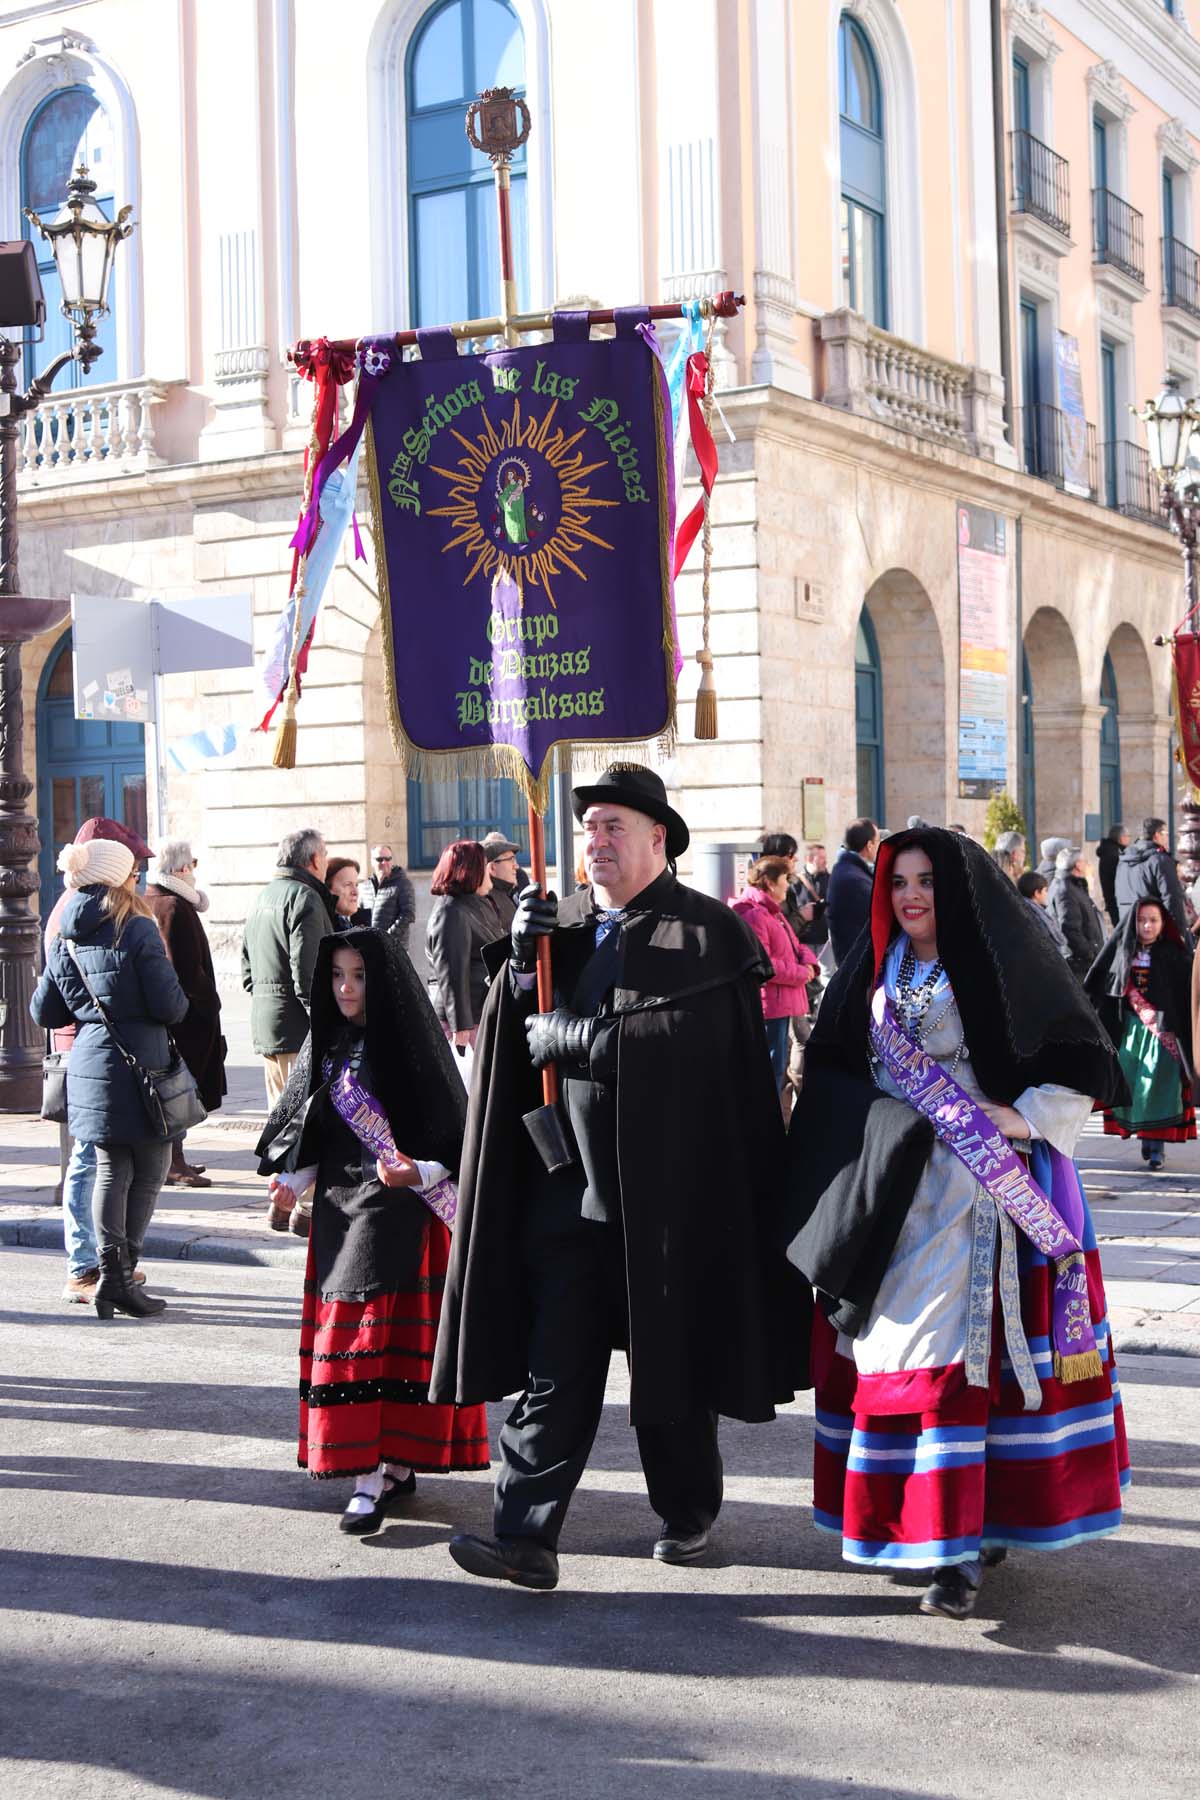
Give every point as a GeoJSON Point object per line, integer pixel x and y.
{"type": "Point", "coordinates": [538, 561]}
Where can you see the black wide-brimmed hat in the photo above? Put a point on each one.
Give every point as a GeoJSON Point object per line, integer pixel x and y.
{"type": "Point", "coordinates": [628, 784]}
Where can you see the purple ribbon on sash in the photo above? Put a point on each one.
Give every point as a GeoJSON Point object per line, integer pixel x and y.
{"type": "Point", "coordinates": [366, 1118]}
{"type": "Point", "coordinates": [982, 1148]}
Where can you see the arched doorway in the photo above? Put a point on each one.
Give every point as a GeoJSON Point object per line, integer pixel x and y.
{"type": "Point", "coordinates": [905, 649]}
{"type": "Point", "coordinates": [1027, 778]}
{"type": "Point", "coordinates": [85, 768]}
{"type": "Point", "coordinates": [1110, 747]}
{"type": "Point", "coordinates": [1052, 734]}
{"type": "Point", "coordinates": [868, 719]}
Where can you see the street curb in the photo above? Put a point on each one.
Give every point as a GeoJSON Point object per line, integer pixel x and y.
{"type": "Point", "coordinates": [1144, 1343]}
{"type": "Point", "coordinates": [180, 1243]}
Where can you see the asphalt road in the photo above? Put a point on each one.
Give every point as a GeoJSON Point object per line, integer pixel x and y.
{"type": "Point", "coordinates": [179, 1614]}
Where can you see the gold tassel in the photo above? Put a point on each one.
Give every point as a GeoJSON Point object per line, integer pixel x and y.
{"type": "Point", "coordinates": [1084, 1366]}
{"type": "Point", "coordinates": [706, 696]}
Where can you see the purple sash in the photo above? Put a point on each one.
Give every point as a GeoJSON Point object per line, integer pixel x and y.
{"type": "Point", "coordinates": [981, 1147]}
{"type": "Point", "coordinates": [362, 1112]}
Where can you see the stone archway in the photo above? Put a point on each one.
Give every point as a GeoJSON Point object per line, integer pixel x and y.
{"type": "Point", "coordinates": [1143, 737]}
{"type": "Point", "coordinates": [912, 669]}
{"type": "Point", "coordinates": [1059, 718]}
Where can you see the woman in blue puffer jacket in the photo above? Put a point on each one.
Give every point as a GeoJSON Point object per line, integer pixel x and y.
{"type": "Point", "coordinates": [112, 932]}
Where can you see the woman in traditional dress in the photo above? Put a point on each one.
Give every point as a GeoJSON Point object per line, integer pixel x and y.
{"type": "Point", "coordinates": [372, 1119]}
{"type": "Point", "coordinates": [1140, 984]}
{"type": "Point", "coordinates": [966, 1395]}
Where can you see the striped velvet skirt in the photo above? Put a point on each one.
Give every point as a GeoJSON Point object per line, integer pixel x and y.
{"type": "Point", "coordinates": [364, 1379]}
{"type": "Point", "coordinates": [968, 1468]}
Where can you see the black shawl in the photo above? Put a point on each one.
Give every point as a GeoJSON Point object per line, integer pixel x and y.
{"type": "Point", "coordinates": [366, 1236]}
{"type": "Point", "coordinates": [1025, 1017]}
{"type": "Point", "coordinates": [1168, 986]}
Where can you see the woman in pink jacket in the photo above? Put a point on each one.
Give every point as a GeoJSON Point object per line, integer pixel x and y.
{"type": "Point", "coordinates": [786, 996]}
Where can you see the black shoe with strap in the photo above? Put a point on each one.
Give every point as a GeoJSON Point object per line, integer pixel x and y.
{"type": "Point", "coordinates": [360, 1524]}
{"type": "Point", "coordinates": [953, 1591]}
{"type": "Point", "coordinates": [522, 1561]}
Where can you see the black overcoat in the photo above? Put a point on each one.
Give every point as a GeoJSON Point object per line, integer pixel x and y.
{"type": "Point", "coordinates": [198, 1038]}
{"type": "Point", "coordinates": [717, 1318]}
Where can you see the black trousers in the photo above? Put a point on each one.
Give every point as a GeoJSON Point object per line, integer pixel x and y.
{"type": "Point", "coordinates": [574, 1274]}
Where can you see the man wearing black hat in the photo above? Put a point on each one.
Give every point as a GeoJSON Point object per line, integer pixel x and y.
{"type": "Point", "coordinates": [659, 1238]}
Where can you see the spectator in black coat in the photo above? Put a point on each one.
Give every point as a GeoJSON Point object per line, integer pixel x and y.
{"type": "Point", "coordinates": [848, 898]}
{"type": "Point", "coordinates": [461, 921]}
{"type": "Point", "coordinates": [1074, 911]}
{"type": "Point", "coordinates": [1147, 871]}
{"type": "Point", "coordinates": [390, 895]}
{"type": "Point", "coordinates": [1108, 855]}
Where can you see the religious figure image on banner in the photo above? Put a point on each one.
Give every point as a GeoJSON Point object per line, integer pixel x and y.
{"type": "Point", "coordinates": [523, 512]}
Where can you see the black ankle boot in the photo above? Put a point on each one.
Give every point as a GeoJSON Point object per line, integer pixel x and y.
{"type": "Point", "coordinates": [115, 1290]}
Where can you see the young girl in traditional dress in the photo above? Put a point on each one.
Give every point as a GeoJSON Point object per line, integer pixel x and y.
{"type": "Point", "coordinates": [966, 1395]}
{"type": "Point", "coordinates": [372, 1119]}
{"type": "Point", "coordinates": [1140, 984]}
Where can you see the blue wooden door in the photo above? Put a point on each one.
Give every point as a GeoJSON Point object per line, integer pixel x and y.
{"type": "Point", "coordinates": [85, 768]}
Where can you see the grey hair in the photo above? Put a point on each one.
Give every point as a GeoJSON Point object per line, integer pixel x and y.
{"type": "Point", "coordinates": [1052, 845]}
{"type": "Point", "coordinates": [1007, 842]}
{"type": "Point", "coordinates": [1066, 859]}
{"type": "Point", "coordinates": [173, 855]}
{"type": "Point", "coordinates": [298, 848]}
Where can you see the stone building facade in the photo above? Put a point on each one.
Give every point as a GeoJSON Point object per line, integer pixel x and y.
{"type": "Point", "coordinates": [897, 359]}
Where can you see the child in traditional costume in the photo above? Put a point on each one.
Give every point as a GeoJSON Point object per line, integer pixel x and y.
{"type": "Point", "coordinates": [372, 1119]}
{"type": "Point", "coordinates": [966, 1396]}
{"type": "Point", "coordinates": [1140, 984]}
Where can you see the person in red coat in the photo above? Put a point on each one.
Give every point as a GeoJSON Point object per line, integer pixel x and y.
{"type": "Point", "coordinates": [178, 903]}
{"type": "Point", "coordinates": [785, 996]}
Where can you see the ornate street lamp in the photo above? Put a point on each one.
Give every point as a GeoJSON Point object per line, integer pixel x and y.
{"type": "Point", "coordinates": [1173, 442]}
{"type": "Point", "coordinates": [84, 245]}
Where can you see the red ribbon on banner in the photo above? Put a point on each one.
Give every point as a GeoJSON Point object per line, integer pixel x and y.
{"type": "Point", "coordinates": [1185, 655]}
{"type": "Point", "coordinates": [320, 361]}
{"type": "Point", "coordinates": [706, 454]}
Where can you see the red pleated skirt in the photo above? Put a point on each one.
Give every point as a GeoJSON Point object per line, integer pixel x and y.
{"type": "Point", "coordinates": [364, 1379]}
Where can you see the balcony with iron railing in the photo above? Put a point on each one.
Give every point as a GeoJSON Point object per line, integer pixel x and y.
{"type": "Point", "coordinates": [1130, 485]}
{"type": "Point", "coordinates": [1059, 448]}
{"type": "Point", "coordinates": [1041, 186]}
{"type": "Point", "coordinates": [1181, 276]}
{"type": "Point", "coordinates": [1117, 239]}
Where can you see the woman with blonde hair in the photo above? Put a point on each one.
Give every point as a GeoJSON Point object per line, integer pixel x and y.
{"type": "Point", "coordinates": [109, 954]}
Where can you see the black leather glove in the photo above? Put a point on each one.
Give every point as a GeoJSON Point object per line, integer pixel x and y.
{"type": "Point", "coordinates": [561, 1037]}
{"type": "Point", "coordinates": [537, 915]}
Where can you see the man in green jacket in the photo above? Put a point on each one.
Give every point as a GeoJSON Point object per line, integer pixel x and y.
{"type": "Point", "coordinates": [279, 952]}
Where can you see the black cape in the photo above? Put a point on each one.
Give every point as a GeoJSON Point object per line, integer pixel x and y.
{"type": "Point", "coordinates": [853, 1161]}
{"type": "Point", "coordinates": [367, 1237]}
{"type": "Point", "coordinates": [1168, 987]}
{"type": "Point", "coordinates": [717, 1319]}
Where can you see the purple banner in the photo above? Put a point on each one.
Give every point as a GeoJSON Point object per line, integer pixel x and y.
{"type": "Point", "coordinates": [524, 517]}
{"type": "Point", "coordinates": [364, 1115]}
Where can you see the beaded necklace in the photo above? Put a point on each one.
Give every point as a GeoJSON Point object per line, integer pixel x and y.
{"type": "Point", "coordinates": [913, 1001]}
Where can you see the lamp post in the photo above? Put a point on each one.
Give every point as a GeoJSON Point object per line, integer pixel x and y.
{"type": "Point", "coordinates": [84, 243]}
{"type": "Point", "coordinates": [1174, 448]}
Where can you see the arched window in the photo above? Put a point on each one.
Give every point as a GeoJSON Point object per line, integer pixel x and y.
{"type": "Point", "coordinates": [868, 719]}
{"type": "Point", "coordinates": [68, 128]}
{"type": "Point", "coordinates": [460, 48]}
{"type": "Point", "coordinates": [1110, 748]}
{"type": "Point", "coordinates": [864, 187]}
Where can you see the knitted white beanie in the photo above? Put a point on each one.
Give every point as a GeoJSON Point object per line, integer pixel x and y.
{"type": "Point", "coordinates": [100, 863]}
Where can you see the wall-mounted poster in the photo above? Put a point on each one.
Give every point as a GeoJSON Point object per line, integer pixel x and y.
{"type": "Point", "coordinates": [1076, 476]}
{"type": "Point", "coordinates": [983, 652]}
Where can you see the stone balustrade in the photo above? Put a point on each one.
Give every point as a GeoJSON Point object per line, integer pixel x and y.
{"type": "Point", "coordinates": [87, 432]}
{"type": "Point", "coordinates": [877, 376]}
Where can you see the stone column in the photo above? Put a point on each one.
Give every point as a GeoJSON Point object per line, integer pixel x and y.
{"type": "Point", "coordinates": [1145, 751]}
{"type": "Point", "coordinates": [775, 360]}
{"type": "Point", "coordinates": [1066, 742]}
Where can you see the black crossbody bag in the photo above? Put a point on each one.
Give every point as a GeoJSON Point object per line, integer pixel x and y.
{"type": "Point", "coordinates": [169, 1095]}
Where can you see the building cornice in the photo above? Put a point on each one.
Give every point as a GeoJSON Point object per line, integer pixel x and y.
{"type": "Point", "coordinates": [1145, 27]}
{"type": "Point", "coordinates": [1176, 146]}
{"type": "Point", "coordinates": [1027, 22]}
{"type": "Point", "coordinates": [1106, 89]}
